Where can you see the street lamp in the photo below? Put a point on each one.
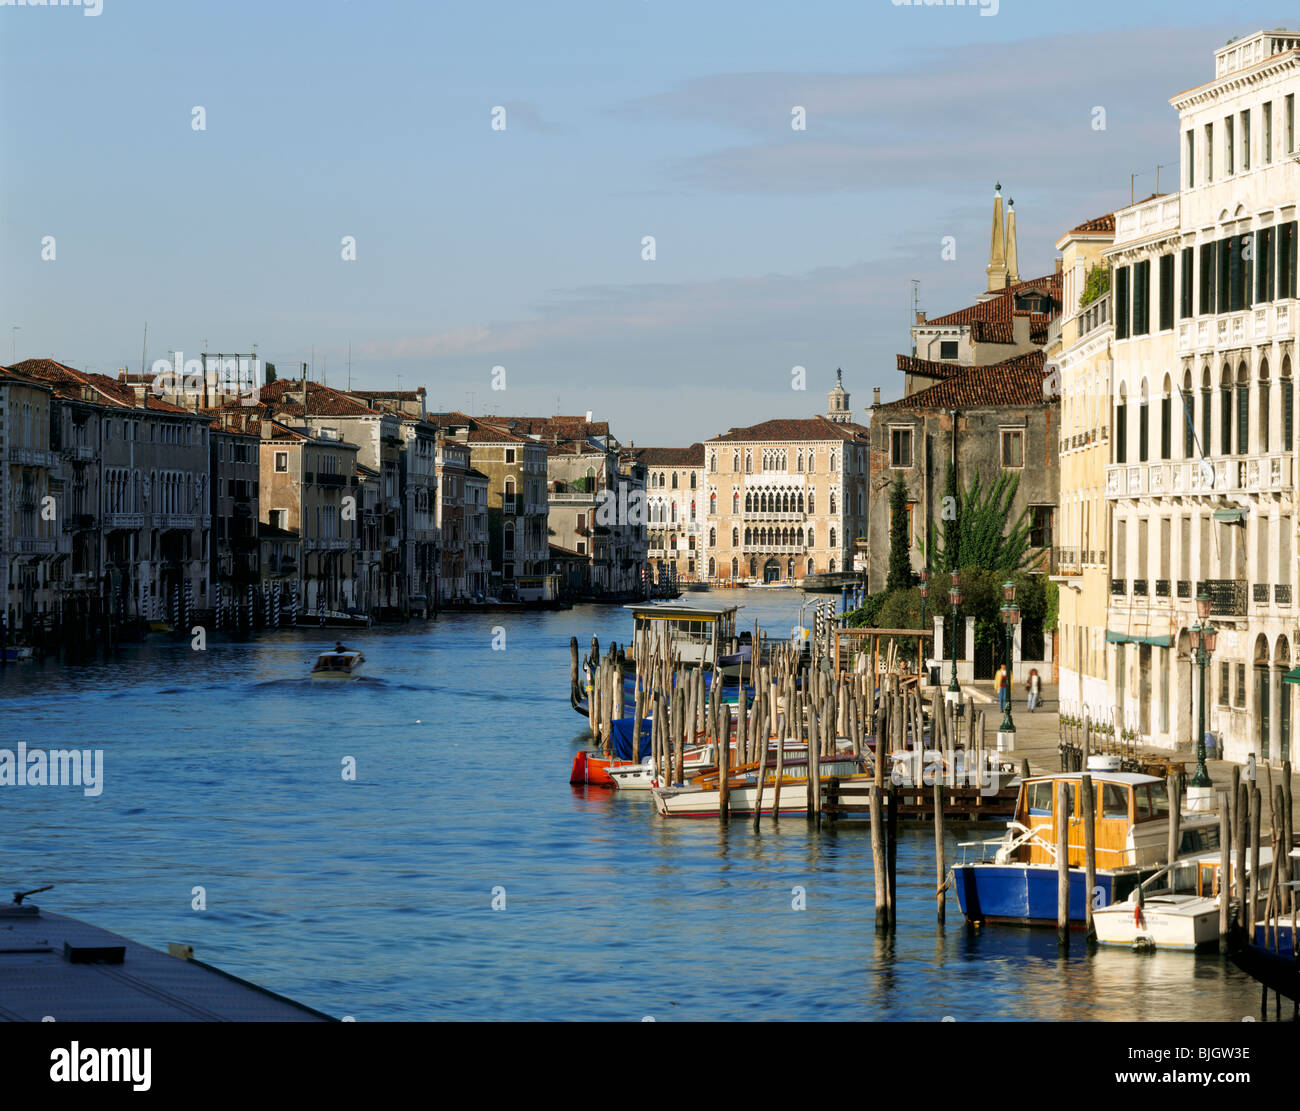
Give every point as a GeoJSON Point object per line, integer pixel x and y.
{"type": "Point", "coordinates": [1203, 636]}
{"type": "Point", "coordinates": [925, 594]}
{"type": "Point", "coordinates": [954, 600]}
{"type": "Point", "coordinates": [1010, 618]}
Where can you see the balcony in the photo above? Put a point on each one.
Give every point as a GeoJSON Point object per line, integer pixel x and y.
{"type": "Point", "coordinates": [1227, 596]}
{"type": "Point", "coordinates": [1234, 329]}
{"type": "Point", "coordinates": [123, 520]}
{"type": "Point", "coordinates": [80, 453]}
{"type": "Point", "coordinates": [1261, 474]}
{"type": "Point", "coordinates": [78, 522]}
{"type": "Point", "coordinates": [775, 549]}
{"type": "Point", "coordinates": [771, 515]}
{"type": "Point", "coordinates": [1067, 561]}
{"type": "Point", "coordinates": [571, 498]}
{"type": "Point", "coordinates": [31, 457]}
{"type": "Point", "coordinates": [28, 545]}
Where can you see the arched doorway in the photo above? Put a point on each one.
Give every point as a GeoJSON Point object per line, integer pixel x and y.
{"type": "Point", "coordinates": [1282, 664]}
{"type": "Point", "coordinates": [772, 571]}
{"type": "Point", "coordinates": [1262, 697]}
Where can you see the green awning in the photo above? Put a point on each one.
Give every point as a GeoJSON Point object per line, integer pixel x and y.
{"type": "Point", "coordinates": [1228, 515]}
{"type": "Point", "coordinates": [1166, 641]}
{"type": "Point", "coordinates": [1292, 676]}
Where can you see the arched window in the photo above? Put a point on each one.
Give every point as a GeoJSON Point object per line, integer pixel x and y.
{"type": "Point", "coordinates": [1189, 418]}
{"type": "Point", "coordinates": [672, 512]}
{"type": "Point", "coordinates": [800, 507]}
{"type": "Point", "coordinates": [812, 537]}
{"type": "Point", "coordinates": [749, 462]}
{"type": "Point", "coordinates": [1121, 425]}
{"type": "Point", "coordinates": [692, 509]}
{"type": "Point", "coordinates": [810, 567]}
{"type": "Point", "coordinates": [713, 539]}
{"type": "Point", "coordinates": [692, 480]}
{"type": "Point", "coordinates": [1243, 409]}
{"type": "Point", "coordinates": [735, 538]}
{"type": "Point", "coordinates": [832, 501]}
{"type": "Point", "coordinates": [749, 501]}
{"type": "Point", "coordinates": [1265, 407]}
{"type": "Point", "coordinates": [674, 480]}
{"type": "Point", "coordinates": [799, 462]}
{"type": "Point", "coordinates": [1225, 411]}
{"type": "Point", "coordinates": [1207, 411]}
{"type": "Point", "coordinates": [713, 571]}
{"type": "Point", "coordinates": [749, 537]}
{"type": "Point", "coordinates": [735, 567]}
{"type": "Point", "coordinates": [713, 462]}
{"type": "Point", "coordinates": [832, 543]}
{"type": "Point", "coordinates": [713, 504]}
{"type": "Point", "coordinates": [832, 465]}
{"type": "Point", "coordinates": [1144, 426]}
{"type": "Point", "coordinates": [508, 539]}
{"type": "Point", "coordinates": [812, 501]}
{"type": "Point", "coordinates": [1166, 421]}
{"type": "Point", "coordinates": [830, 566]}
{"type": "Point", "coordinates": [735, 460]}
{"type": "Point", "coordinates": [1288, 406]}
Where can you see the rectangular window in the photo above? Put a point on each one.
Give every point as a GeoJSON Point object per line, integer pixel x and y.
{"type": "Point", "coordinates": [1229, 146]}
{"type": "Point", "coordinates": [1040, 526]}
{"type": "Point", "coordinates": [510, 455]}
{"type": "Point", "coordinates": [1186, 301]}
{"type": "Point", "coordinates": [900, 447]}
{"type": "Point", "coordinates": [1241, 686]}
{"type": "Point", "coordinates": [1290, 122]}
{"type": "Point", "coordinates": [1245, 140]}
{"type": "Point", "coordinates": [1268, 132]}
{"type": "Point", "coordinates": [1225, 420]}
{"type": "Point", "coordinates": [281, 461]}
{"type": "Point", "coordinates": [1189, 424]}
{"type": "Point", "coordinates": [1229, 262]}
{"type": "Point", "coordinates": [1142, 297]}
{"type": "Point", "coordinates": [1166, 427]}
{"type": "Point", "coordinates": [1286, 260]}
{"type": "Point", "coordinates": [1121, 302]}
{"type": "Point", "coordinates": [1208, 271]}
{"type": "Point", "coordinates": [1185, 548]}
{"type": "Point", "coordinates": [1265, 391]}
{"type": "Point", "coordinates": [1013, 447]}
{"type": "Point", "coordinates": [1243, 419]}
{"type": "Point", "coordinates": [1264, 279]}
{"type": "Point", "coordinates": [1209, 152]}
{"type": "Point", "coordinates": [1190, 158]}
{"type": "Point", "coordinates": [1225, 681]}
{"type": "Point", "coordinates": [1166, 292]}
{"type": "Point", "coordinates": [948, 349]}
{"type": "Point", "coordinates": [1121, 433]}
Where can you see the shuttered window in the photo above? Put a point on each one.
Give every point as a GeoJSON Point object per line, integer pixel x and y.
{"type": "Point", "coordinates": [1166, 292]}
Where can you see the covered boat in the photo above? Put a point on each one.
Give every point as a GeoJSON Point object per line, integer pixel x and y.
{"type": "Point", "coordinates": [342, 663]}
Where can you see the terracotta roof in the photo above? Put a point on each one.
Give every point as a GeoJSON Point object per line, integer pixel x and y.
{"type": "Point", "coordinates": [566, 553]}
{"type": "Point", "coordinates": [1101, 225]}
{"type": "Point", "coordinates": [990, 331]}
{"type": "Point", "coordinates": [793, 429]}
{"type": "Point", "coordinates": [1001, 308]}
{"type": "Point", "coordinates": [69, 382]}
{"type": "Point", "coordinates": [692, 456]}
{"type": "Point", "coordinates": [927, 368]}
{"type": "Point", "coordinates": [318, 400]}
{"type": "Point", "coordinates": [1012, 382]}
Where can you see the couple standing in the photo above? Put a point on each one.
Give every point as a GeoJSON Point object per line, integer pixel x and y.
{"type": "Point", "coordinates": [1033, 685]}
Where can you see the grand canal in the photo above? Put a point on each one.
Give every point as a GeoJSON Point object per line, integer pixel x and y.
{"type": "Point", "coordinates": [373, 897]}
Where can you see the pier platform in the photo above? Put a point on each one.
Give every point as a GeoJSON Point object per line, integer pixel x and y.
{"type": "Point", "coordinates": [59, 968]}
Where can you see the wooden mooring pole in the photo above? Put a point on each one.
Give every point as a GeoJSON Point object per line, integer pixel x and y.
{"type": "Point", "coordinates": [1062, 865]}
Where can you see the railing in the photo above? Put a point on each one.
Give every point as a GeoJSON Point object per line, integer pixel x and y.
{"type": "Point", "coordinates": [123, 520]}
{"type": "Point", "coordinates": [1259, 593]}
{"type": "Point", "coordinates": [25, 545]}
{"type": "Point", "coordinates": [1184, 588]}
{"type": "Point", "coordinates": [1162, 588]}
{"type": "Point", "coordinates": [1227, 596]}
{"type": "Point", "coordinates": [78, 522]}
{"type": "Point", "coordinates": [1282, 594]}
{"type": "Point", "coordinates": [572, 498]}
{"type": "Point", "coordinates": [31, 457]}
{"type": "Point", "coordinates": [1119, 586]}
{"type": "Point", "coordinates": [772, 515]}
{"type": "Point", "coordinates": [1139, 588]}
{"type": "Point", "coordinates": [775, 549]}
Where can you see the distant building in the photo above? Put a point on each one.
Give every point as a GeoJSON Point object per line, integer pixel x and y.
{"type": "Point", "coordinates": [675, 511]}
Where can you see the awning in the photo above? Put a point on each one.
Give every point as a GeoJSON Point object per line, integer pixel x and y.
{"type": "Point", "coordinates": [1228, 515]}
{"type": "Point", "coordinates": [1166, 641]}
{"type": "Point", "coordinates": [1292, 676]}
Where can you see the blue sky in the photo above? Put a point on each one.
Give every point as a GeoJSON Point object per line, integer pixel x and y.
{"type": "Point", "coordinates": [523, 247]}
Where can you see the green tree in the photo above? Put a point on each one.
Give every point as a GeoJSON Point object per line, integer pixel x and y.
{"type": "Point", "coordinates": [900, 540]}
{"type": "Point", "coordinates": [951, 513]}
{"type": "Point", "coordinates": [979, 536]}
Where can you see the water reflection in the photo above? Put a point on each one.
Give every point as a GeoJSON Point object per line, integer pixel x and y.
{"type": "Point", "coordinates": [222, 769]}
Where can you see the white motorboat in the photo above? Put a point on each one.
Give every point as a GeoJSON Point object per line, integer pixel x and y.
{"type": "Point", "coordinates": [342, 663]}
{"type": "Point", "coordinates": [1161, 921]}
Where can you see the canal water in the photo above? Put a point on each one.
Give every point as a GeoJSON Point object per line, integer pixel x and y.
{"type": "Point", "coordinates": [373, 897]}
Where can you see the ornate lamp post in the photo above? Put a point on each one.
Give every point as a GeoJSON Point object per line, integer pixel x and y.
{"type": "Point", "coordinates": [925, 594]}
{"type": "Point", "coordinates": [1204, 636]}
{"type": "Point", "coordinates": [1010, 618]}
{"type": "Point", "coordinates": [954, 600]}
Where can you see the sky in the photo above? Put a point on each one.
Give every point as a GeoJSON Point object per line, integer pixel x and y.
{"type": "Point", "coordinates": [523, 247]}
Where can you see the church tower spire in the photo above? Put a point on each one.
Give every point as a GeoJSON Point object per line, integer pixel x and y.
{"type": "Point", "coordinates": [997, 267]}
{"type": "Point", "coordinates": [839, 411]}
{"type": "Point", "coordinates": [1013, 262]}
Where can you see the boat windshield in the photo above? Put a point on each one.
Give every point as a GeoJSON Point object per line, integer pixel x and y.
{"type": "Point", "coordinates": [1151, 801]}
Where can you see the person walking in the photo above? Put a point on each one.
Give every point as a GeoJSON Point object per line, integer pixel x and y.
{"type": "Point", "coordinates": [1034, 686]}
{"type": "Point", "coordinates": [1002, 686]}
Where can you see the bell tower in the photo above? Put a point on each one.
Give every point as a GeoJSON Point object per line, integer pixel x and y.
{"type": "Point", "coordinates": [838, 400]}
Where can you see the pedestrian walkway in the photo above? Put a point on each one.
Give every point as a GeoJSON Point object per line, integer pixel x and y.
{"type": "Point", "coordinates": [1038, 737]}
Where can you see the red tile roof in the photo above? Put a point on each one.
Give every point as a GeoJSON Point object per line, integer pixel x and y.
{"type": "Point", "coordinates": [927, 368]}
{"type": "Point", "coordinates": [69, 382]}
{"type": "Point", "coordinates": [1001, 308]}
{"type": "Point", "coordinates": [1101, 225]}
{"type": "Point", "coordinates": [692, 456]}
{"type": "Point", "coordinates": [317, 400]}
{"type": "Point", "coordinates": [792, 429]}
{"type": "Point", "coordinates": [1016, 381]}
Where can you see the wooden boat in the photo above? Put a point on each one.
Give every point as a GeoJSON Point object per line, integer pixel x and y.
{"type": "Point", "coordinates": [694, 632]}
{"type": "Point", "coordinates": [342, 663]}
{"type": "Point", "coordinates": [1015, 881]}
{"type": "Point", "coordinates": [701, 798]}
{"type": "Point", "coordinates": [701, 760]}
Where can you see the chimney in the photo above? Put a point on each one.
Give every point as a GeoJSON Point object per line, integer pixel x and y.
{"type": "Point", "coordinates": [920, 316]}
{"type": "Point", "coordinates": [1060, 263]}
{"type": "Point", "coordinates": [875, 396]}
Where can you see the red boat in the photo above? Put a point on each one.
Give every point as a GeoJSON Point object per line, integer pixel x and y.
{"type": "Point", "coordinates": [589, 767]}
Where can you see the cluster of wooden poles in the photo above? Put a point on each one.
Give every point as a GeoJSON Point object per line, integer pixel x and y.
{"type": "Point", "coordinates": [1240, 818]}
{"type": "Point", "coordinates": [794, 706]}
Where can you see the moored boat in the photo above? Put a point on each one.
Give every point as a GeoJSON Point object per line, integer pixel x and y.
{"type": "Point", "coordinates": [1017, 880]}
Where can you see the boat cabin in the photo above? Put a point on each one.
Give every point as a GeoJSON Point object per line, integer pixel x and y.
{"type": "Point", "coordinates": [696, 631]}
{"type": "Point", "coordinates": [339, 664]}
{"type": "Point", "coordinates": [1131, 821]}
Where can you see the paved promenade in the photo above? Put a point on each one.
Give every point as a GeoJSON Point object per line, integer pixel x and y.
{"type": "Point", "coordinates": [1037, 738]}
